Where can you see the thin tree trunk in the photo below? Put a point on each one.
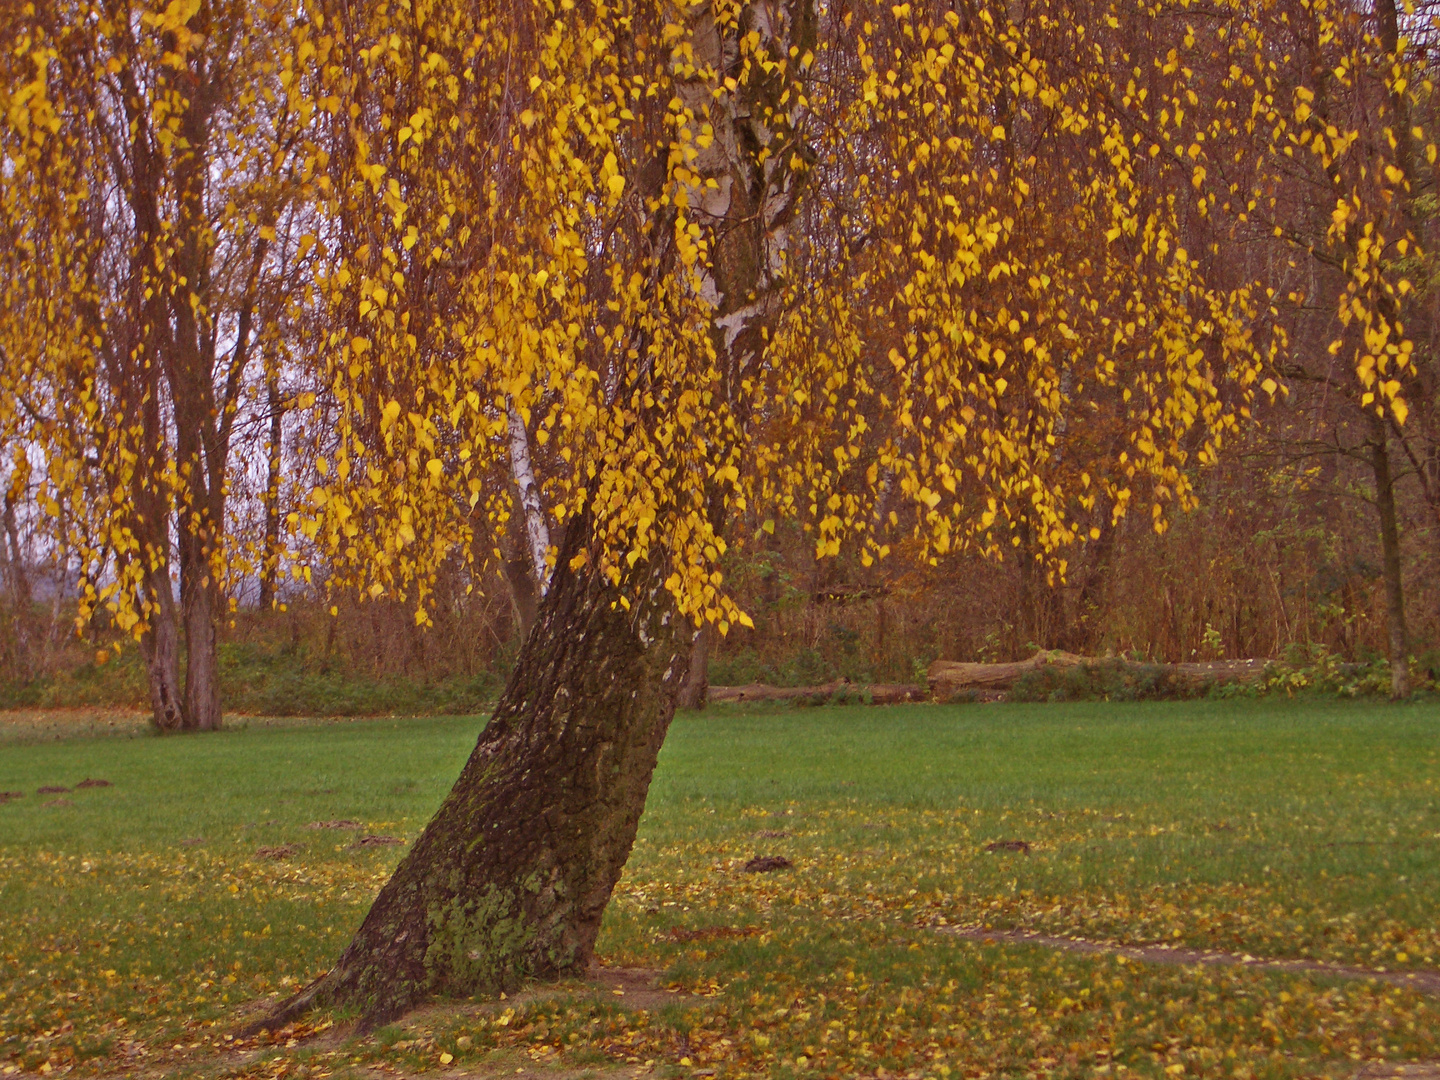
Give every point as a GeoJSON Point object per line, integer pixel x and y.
{"type": "Point", "coordinates": [524, 596]}
{"type": "Point", "coordinates": [1390, 549]}
{"type": "Point", "coordinates": [1078, 635]}
{"type": "Point", "coordinates": [1029, 603]}
{"type": "Point", "coordinates": [537, 534]}
{"type": "Point", "coordinates": [695, 689]}
{"type": "Point", "coordinates": [17, 583]}
{"type": "Point", "coordinates": [202, 676]}
{"type": "Point", "coordinates": [160, 646]}
{"type": "Point", "coordinates": [200, 601]}
{"type": "Point", "coordinates": [512, 875]}
{"type": "Point", "coordinates": [270, 564]}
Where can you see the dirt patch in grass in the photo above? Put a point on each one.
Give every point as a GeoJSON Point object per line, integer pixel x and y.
{"type": "Point", "coordinates": [1022, 846]}
{"type": "Point", "coordinates": [371, 840]}
{"type": "Point", "coordinates": [636, 988]}
{"type": "Point", "coordinates": [279, 851]}
{"type": "Point", "coordinates": [764, 864]}
{"type": "Point", "coordinates": [714, 933]}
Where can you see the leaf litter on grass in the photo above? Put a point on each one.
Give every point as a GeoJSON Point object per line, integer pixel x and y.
{"type": "Point", "coordinates": [868, 993]}
{"type": "Point", "coordinates": [832, 969]}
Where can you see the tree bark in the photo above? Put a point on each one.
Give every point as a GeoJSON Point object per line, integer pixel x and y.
{"type": "Point", "coordinates": [160, 646]}
{"type": "Point", "coordinates": [537, 533]}
{"type": "Point", "coordinates": [510, 878]}
{"type": "Point", "coordinates": [202, 675]}
{"type": "Point", "coordinates": [695, 689]}
{"type": "Point", "coordinates": [1391, 564]}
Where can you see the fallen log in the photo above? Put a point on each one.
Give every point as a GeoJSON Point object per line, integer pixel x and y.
{"type": "Point", "coordinates": [1219, 671]}
{"type": "Point", "coordinates": [875, 693]}
{"type": "Point", "coordinates": [949, 678]}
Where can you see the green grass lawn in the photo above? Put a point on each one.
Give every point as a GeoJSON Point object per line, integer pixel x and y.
{"type": "Point", "coordinates": [136, 918]}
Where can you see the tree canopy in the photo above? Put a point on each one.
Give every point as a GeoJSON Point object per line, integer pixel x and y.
{"type": "Point", "coordinates": [963, 273]}
{"type": "Point", "coordinates": [875, 270]}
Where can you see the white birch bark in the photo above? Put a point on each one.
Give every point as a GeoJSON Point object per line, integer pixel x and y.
{"type": "Point", "coordinates": [536, 531]}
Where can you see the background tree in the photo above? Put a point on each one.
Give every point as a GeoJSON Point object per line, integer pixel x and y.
{"type": "Point", "coordinates": [153, 157]}
{"type": "Point", "coordinates": [1308, 133]}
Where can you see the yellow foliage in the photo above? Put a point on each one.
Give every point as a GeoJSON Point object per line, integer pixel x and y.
{"type": "Point", "coordinates": [908, 275]}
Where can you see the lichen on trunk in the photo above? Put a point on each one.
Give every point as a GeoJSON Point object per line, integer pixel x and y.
{"type": "Point", "coordinates": [510, 878]}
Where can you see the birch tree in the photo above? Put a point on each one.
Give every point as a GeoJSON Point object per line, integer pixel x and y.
{"type": "Point", "coordinates": [712, 256]}
{"type": "Point", "coordinates": [150, 154]}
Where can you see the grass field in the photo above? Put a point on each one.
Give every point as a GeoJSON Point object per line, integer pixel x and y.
{"type": "Point", "coordinates": [138, 920]}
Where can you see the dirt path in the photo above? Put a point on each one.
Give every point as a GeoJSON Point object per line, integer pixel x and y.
{"type": "Point", "coordinates": [1425, 982]}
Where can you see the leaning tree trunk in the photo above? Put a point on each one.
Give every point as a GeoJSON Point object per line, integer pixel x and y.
{"type": "Point", "coordinates": [510, 878]}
